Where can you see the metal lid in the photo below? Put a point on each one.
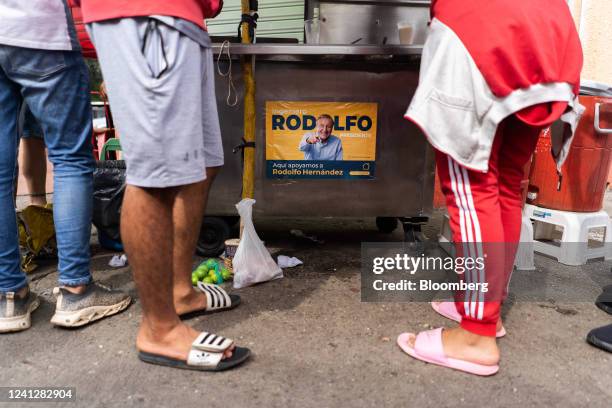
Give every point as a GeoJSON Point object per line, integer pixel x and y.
{"type": "Point", "coordinates": [593, 88]}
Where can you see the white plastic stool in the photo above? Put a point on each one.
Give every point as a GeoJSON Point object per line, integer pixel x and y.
{"type": "Point", "coordinates": [524, 254]}
{"type": "Point", "coordinates": [572, 248]}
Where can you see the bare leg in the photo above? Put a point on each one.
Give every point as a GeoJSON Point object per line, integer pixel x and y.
{"type": "Point", "coordinates": [34, 168]}
{"type": "Point", "coordinates": [146, 220]}
{"type": "Point", "coordinates": [187, 215]}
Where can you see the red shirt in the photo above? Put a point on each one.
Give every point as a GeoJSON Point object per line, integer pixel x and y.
{"type": "Point", "coordinates": [87, 47]}
{"type": "Point", "coordinates": [191, 10]}
{"type": "Point", "coordinates": [516, 43]}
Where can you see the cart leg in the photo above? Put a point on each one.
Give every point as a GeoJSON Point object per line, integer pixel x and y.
{"type": "Point", "coordinates": [412, 232]}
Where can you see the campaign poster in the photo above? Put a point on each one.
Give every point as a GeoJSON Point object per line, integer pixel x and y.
{"type": "Point", "coordinates": [321, 140]}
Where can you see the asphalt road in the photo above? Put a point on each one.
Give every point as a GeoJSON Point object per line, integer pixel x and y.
{"type": "Point", "coordinates": [315, 344]}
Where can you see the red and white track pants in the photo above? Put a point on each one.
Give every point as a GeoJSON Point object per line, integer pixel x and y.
{"type": "Point", "coordinates": [485, 219]}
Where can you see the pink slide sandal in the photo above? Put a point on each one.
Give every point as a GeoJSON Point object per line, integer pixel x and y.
{"type": "Point", "coordinates": [428, 347]}
{"type": "Point", "coordinates": [449, 310]}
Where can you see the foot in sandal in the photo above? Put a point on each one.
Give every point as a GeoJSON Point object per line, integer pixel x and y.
{"type": "Point", "coordinates": [448, 309]}
{"type": "Point", "coordinates": [453, 348]}
{"type": "Point", "coordinates": [204, 299]}
{"type": "Point", "coordinates": [183, 347]}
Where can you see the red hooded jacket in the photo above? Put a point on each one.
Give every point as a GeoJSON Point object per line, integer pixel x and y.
{"type": "Point", "coordinates": [517, 43]}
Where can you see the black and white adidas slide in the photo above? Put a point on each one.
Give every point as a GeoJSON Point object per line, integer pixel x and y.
{"type": "Point", "coordinates": [217, 300]}
{"type": "Point", "coordinates": [206, 354]}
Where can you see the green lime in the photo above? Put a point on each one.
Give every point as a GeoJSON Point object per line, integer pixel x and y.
{"type": "Point", "coordinates": [194, 280]}
{"type": "Point", "coordinates": [208, 279]}
{"type": "Point", "coordinates": [201, 273]}
{"type": "Point", "coordinates": [226, 274]}
{"type": "Point", "coordinates": [210, 263]}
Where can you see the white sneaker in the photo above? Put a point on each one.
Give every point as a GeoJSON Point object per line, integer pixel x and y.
{"type": "Point", "coordinates": [15, 311]}
{"type": "Point", "coordinates": [97, 302]}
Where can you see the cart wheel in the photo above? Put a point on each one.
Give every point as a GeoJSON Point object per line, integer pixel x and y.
{"type": "Point", "coordinates": [386, 225]}
{"type": "Point", "coordinates": [213, 233]}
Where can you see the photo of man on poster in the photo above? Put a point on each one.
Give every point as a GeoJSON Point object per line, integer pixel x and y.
{"type": "Point", "coordinates": [321, 144]}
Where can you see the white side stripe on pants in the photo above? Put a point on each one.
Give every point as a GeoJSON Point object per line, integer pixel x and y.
{"type": "Point", "coordinates": [470, 273]}
{"type": "Point", "coordinates": [462, 222]}
{"type": "Point", "coordinates": [478, 237]}
{"type": "Point", "coordinates": [471, 235]}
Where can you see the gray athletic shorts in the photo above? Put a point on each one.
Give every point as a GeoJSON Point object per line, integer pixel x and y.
{"type": "Point", "coordinates": [161, 89]}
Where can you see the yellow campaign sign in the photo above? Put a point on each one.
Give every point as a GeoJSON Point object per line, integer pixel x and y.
{"type": "Point", "coordinates": [336, 139]}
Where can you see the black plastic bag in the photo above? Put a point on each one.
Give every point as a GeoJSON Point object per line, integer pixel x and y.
{"type": "Point", "coordinates": [109, 187]}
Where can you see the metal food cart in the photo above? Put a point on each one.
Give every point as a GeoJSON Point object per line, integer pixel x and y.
{"type": "Point", "coordinates": [387, 75]}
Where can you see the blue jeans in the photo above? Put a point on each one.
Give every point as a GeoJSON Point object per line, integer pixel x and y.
{"type": "Point", "coordinates": [55, 86]}
{"type": "Point", "coordinates": [28, 125]}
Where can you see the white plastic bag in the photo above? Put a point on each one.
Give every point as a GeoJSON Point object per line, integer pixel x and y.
{"type": "Point", "coordinates": [252, 263]}
{"type": "Point", "coordinates": [285, 261]}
